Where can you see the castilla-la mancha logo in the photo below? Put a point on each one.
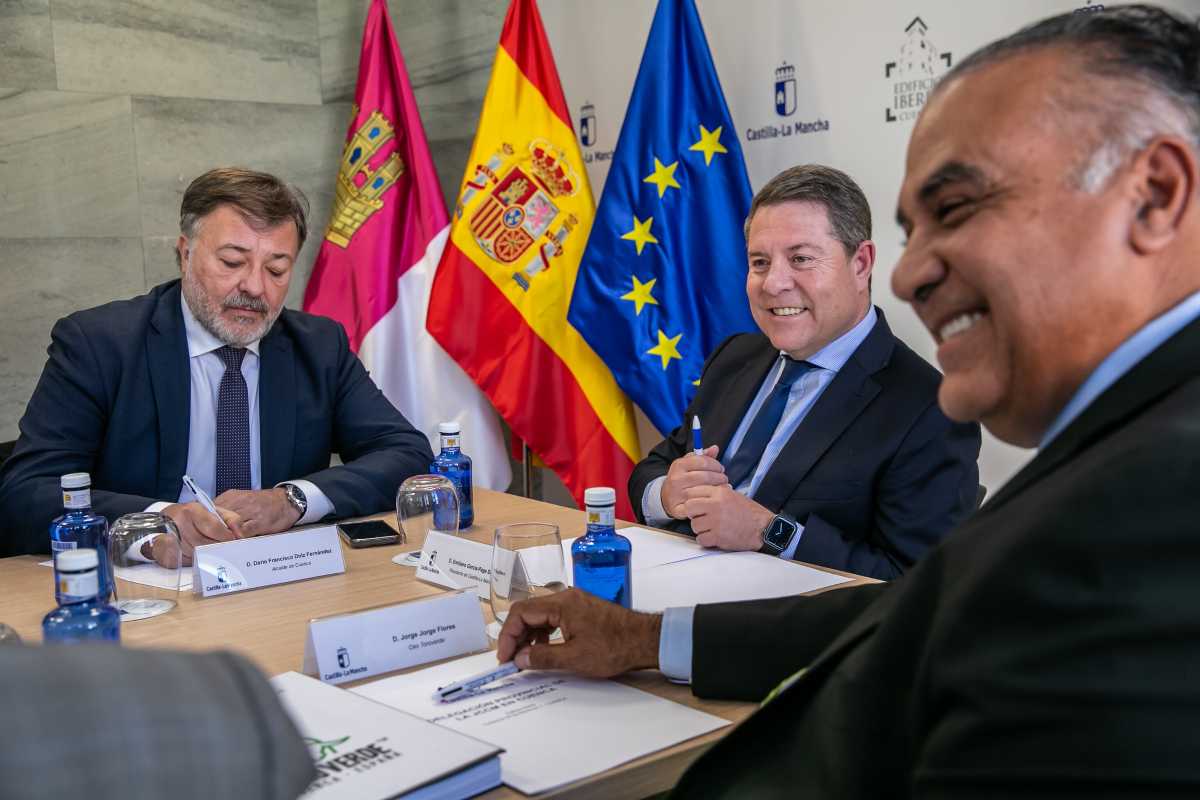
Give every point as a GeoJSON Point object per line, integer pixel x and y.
{"type": "Point", "coordinates": [914, 73]}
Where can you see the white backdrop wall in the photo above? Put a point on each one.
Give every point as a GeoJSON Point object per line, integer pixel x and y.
{"type": "Point", "coordinates": [860, 68]}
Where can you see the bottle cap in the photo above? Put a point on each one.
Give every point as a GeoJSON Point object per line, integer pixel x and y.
{"type": "Point", "coordinates": [448, 427]}
{"type": "Point", "coordinates": [76, 480]}
{"type": "Point", "coordinates": [78, 560]}
{"type": "Point", "coordinates": [600, 496]}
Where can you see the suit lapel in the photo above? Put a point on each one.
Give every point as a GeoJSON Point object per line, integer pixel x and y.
{"type": "Point", "coordinates": [851, 391]}
{"type": "Point", "coordinates": [170, 382]}
{"type": "Point", "coordinates": [276, 406]}
{"type": "Point", "coordinates": [1165, 368]}
{"type": "Point", "coordinates": [737, 398]}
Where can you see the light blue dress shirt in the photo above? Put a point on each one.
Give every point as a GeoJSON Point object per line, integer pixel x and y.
{"type": "Point", "coordinates": [207, 369]}
{"type": "Point", "coordinates": [675, 641]}
{"type": "Point", "coordinates": [801, 398]}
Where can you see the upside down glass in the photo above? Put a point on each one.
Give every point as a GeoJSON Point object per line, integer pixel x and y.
{"type": "Point", "coordinates": [527, 561]}
{"type": "Point", "coordinates": [426, 504]}
{"type": "Point", "coordinates": [146, 559]}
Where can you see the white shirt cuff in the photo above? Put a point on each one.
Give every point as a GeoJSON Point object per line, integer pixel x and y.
{"type": "Point", "coordinates": [675, 644]}
{"type": "Point", "coordinates": [652, 507]}
{"type": "Point", "coordinates": [789, 552]}
{"type": "Point", "coordinates": [319, 506]}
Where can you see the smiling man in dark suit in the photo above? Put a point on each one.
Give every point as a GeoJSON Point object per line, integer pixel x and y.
{"type": "Point", "coordinates": [1049, 647]}
{"type": "Point", "coordinates": [826, 443]}
{"type": "Point", "coordinates": [210, 376]}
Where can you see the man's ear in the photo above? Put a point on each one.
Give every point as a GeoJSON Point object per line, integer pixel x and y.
{"type": "Point", "coordinates": [182, 253]}
{"type": "Point", "coordinates": [863, 261]}
{"type": "Point", "coordinates": [1166, 179]}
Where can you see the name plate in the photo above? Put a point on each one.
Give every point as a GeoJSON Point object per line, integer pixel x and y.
{"type": "Point", "coordinates": [456, 563]}
{"type": "Point", "coordinates": [367, 643]}
{"type": "Point", "coordinates": [242, 564]}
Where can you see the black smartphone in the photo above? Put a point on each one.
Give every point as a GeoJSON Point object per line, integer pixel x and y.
{"type": "Point", "coordinates": [367, 534]}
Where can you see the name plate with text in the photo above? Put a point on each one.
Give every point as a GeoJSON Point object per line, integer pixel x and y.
{"type": "Point", "coordinates": [456, 563]}
{"type": "Point", "coordinates": [350, 647]}
{"type": "Point", "coordinates": [242, 564]}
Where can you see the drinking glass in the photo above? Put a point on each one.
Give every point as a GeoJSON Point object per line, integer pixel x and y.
{"type": "Point", "coordinates": [426, 504]}
{"type": "Point", "coordinates": [527, 561]}
{"type": "Point", "coordinates": [146, 559]}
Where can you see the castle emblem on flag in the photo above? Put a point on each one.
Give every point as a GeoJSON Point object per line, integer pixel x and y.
{"type": "Point", "coordinates": [359, 185]}
{"type": "Point", "coordinates": [512, 209]}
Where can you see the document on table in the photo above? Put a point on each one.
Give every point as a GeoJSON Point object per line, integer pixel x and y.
{"type": "Point", "coordinates": [726, 577]}
{"type": "Point", "coordinates": [555, 728]}
{"type": "Point", "coordinates": [150, 574]}
{"type": "Point", "coordinates": [653, 549]}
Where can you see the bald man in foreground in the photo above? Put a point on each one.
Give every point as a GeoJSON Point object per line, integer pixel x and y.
{"type": "Point", "coordinates": [1050, 647]}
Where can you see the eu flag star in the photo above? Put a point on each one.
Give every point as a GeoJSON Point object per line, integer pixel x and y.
{"type": "Point", "coordinates": [663, 177]}
{"type": "Point", "coordinates": [709, 144]}
{"type": "Point", "coordinates": [640, 235]}
{"type": "Point", "coordinates": [666, 349]}
{"type": "Point", "coordinates": [640, 294]}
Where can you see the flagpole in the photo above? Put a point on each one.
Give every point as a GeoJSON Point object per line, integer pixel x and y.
{"type": "Point", "coordinates": [527, 461]}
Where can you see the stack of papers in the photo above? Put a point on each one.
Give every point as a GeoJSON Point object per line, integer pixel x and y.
{"type": "Point", "coordinates": [555, 728]}
{"type": "Point", "coordinates": [366, 751]}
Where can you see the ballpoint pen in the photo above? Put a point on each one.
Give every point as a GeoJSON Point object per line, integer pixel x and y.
{"type": "Point", "coordinates": [203, 498]}
{"type": "Point", "coordinates": [464, 687]}
{"type": "Point", "coordinates": [697, 442]}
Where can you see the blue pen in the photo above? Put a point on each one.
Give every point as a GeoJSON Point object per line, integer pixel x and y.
{"type": "Point", "coordinates": [697, 442]}
{"type": "Point", "coordinates": [464, 687]}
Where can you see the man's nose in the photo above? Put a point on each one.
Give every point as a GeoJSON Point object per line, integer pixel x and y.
{"type": "Point", "coordinates": [779, 277]}
{"type": "Point", "coordinates": [252, 282]}
{"type": "Point", "coordinates": [917, 274]}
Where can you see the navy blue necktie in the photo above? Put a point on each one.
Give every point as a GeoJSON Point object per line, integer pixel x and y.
{"type": "Point", "coordinates": [754, 443]}
{"type": "Point", "coordinates": [233, 423]}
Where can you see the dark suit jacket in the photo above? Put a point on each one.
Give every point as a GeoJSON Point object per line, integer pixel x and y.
{"type": "Point", "coordinates": [1049, 648]}
{"type": "Point", "coordinates": [876, 473]}
{"type": "Point", "coordinates": [113, 400]}
{"type": "Point", "coordinates": [105, 723]}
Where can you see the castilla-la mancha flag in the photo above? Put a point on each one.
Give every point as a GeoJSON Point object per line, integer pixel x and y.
{"type": "Point", "coordinates": [379, 254]}
{"type": "Point", "coordinates": [500, 298]}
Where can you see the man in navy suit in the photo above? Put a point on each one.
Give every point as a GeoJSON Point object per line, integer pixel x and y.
{"type": "Point", "coordinates": [826, 443]}
{"type": "Point", "coordinates": [212, 377]}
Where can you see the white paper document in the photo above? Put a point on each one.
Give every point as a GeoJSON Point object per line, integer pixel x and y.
{"type": "Point", "coordinates": [653, 548]}
{"type": "Point", "coordinates": [725, 577]}
{"type": "Point", "coordinates": [150, 574]}
{"type": "Point", "coordinates": [555, 728]}
{"type": "Point", "coordinates": [367, 751]}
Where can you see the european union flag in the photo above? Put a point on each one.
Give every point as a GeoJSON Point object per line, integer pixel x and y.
{"type": "Point", "coordinates": [663, 279]}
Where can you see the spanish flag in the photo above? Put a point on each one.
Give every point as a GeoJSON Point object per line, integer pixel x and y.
{"type": "Point", "coordinates": [500, 297]}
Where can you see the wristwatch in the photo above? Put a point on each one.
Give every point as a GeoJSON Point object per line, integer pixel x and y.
{"type": "Point", "coordinates": [295, 496]}
{"type": "Point", "coordinates": [778, 534]}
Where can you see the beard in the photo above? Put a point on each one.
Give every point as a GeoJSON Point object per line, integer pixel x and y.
{"type": "Point", "coordinates": [207, 311]}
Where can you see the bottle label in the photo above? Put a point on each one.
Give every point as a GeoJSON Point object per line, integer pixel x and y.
{"type": "Point", "coordinates": [601, 515]}
{"type": "Point", "coordinates": [77, 498]}
{"type": "Point", "coordinates": [451, 440]}
{"type": "Point", "coordinates": [78, 585]}
{"type": "Point", "coordinates": [57, 545]}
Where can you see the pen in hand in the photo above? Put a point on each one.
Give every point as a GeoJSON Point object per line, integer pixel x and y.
{"type": "Point", "coordinates": [697, 442]}
{"type": "Point", "coordinates": [204, 500]}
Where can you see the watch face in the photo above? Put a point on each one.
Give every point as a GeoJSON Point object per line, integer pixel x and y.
{"type": "Point", "coordinates": [780, 533]}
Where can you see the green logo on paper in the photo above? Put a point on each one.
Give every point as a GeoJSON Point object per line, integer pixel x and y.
{"type": "Point", "coordinates": [322, 750]}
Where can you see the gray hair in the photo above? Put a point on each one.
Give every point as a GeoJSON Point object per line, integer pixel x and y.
{"type": "Point", "coordinates": [1149, 60]}
{"type": "Point", "coordinates": [846, 205]}
{"type": "Point", "coordinates": [262, 199]}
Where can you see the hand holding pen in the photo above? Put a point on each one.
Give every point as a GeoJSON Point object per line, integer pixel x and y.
{"type": "Point", "coordinates": [202, 522]}
{"type": "Point", "coordinates": [700, 467]}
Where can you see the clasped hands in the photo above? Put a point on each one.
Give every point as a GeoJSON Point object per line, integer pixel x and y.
{"type": "Point", "coordinates": [245, 513]}
{"type": "Point", "coordinates": [698, 490]}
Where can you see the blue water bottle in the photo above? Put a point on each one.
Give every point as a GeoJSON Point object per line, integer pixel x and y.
{"type": "Point", "coordinates": [79, 527]}
{"type": "Point", "coordinates": [455, 465]}
{"type": "Point", "coordinates": [82, 614]}
{"type": "Point", "coordinates": [602, 556]}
